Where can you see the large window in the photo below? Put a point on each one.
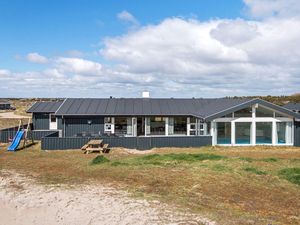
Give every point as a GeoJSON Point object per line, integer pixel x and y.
{"type": "Point", "coordinates": [284, 132]}
{"type": "Point", "coordinates": [123, 126]}
{"type": "Point", "coordinates": [157, 126]}
{"type": "Point", "coordinates": [223, 133]}
{"type": "Point", "coordinates": [242, 133]}
{"type": "Point", "coordinates": [247, 112]}
{"type": "Point", "coordinates": [263, 112]}
{"type": "Point", "coordinates": [177, 126]}
{"type": "Point", "coordinates": [264, 133]}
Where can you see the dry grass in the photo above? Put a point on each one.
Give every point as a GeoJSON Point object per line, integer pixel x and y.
{"type": "Point", "coordinates": [231, 185]}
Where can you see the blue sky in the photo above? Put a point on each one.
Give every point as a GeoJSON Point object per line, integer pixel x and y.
{"type": "Point", "coordinates": [78, 42]}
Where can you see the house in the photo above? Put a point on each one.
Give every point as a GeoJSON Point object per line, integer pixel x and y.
{"type": "Point", "coordinates": [4, 105]}
{"type": "Point", "coordinates": [295, 107]}
{"type": "Point", "coordinates": [220, 121]}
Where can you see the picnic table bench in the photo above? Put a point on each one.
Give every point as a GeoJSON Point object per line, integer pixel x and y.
{"type": "Point", "coordinates": [95, 146]}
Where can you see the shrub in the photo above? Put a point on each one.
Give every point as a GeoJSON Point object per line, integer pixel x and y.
{"type": "Point", "coordinates": [291, 174]}
{"type": "Point", "coordinates": [99, 160]}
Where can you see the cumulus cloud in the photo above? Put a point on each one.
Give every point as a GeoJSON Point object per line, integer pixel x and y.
{"type": "Point", "coordinates": [35, 57]}
{"type": "Point", "coordinates": [127, 17]}
{"type": "Point", "coordinates": [267, 8]}
{"type": "Point", "coordinates": [222, 56]}
{"type": "Point", "coordinates": [180, 58]}
{"type": "Point", "coordinates": [78, 66]}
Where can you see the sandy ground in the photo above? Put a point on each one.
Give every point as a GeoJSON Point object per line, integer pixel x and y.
{"type": "Point", "coordinates": [23, 202]}
{"type": "Point", "coordinates": [12, 115]}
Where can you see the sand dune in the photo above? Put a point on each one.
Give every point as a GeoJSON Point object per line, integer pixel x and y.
{"type": "Point", "coordinates": [22, 202]}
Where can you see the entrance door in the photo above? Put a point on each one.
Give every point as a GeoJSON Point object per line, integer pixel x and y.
{"type": "Point", "coordinates": [53, 122]}
{"type": "Point", "coordinates": [140, 126]}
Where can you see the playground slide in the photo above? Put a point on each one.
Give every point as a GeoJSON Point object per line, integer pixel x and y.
{"type": "Point", "coordinates": [16, 141]}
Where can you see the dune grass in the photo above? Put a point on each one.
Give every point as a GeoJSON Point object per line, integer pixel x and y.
{"type": "Point", "coordinates": [253, 185]}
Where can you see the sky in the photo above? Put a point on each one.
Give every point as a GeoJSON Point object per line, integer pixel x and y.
{"type": "Point", "coordinates": [171, 48]}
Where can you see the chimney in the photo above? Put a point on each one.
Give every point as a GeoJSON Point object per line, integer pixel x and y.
{"type": "Point", "coordinates": [146, 94]}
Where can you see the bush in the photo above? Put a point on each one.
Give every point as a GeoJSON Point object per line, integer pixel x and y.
{"type": "Point", "coordinates": [291, 174]}
{"type": "Point", "coordinates": [99, 160]}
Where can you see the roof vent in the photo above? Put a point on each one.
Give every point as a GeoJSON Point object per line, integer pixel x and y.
{"type": "Point", "coordinates": [146, 94]}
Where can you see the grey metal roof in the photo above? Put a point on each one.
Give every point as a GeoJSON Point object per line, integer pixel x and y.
{"type": "Point", "coordinates": [292, 106]}
{"type": "Point", "coordinates": [146, 106]}
{"type": "Point", "coordinates": [2, 102]}
{"type": "Point", "coordinates": [45, 107]}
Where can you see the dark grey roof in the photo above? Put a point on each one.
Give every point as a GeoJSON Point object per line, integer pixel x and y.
{"type": "Point", "coordinates": [44, 107]}
{"type": "Point", "coordinates": [292, 106]}
{"type": "Point", "coordinates": [4, 102]}
{"type": "Point", "coordinates": [146, 106]}
{"type": "Point", "coordinates": [249, 103]}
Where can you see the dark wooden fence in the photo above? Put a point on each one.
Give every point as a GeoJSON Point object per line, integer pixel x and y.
{"type": "Point", "coordinates": [141, 143]}
{"type": "Point", "coordinates": [6, 135]}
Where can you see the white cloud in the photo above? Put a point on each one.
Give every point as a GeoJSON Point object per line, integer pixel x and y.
{"type": "Point", "coordinates": [232, 57]}
{"type": "Point", "coordinates": [36, 58]}
{"type": "Point", "coordinates": [180, 58]}
{"type": "Point", "coordinates": [78, 66]}
{"type": "Point", "coordinates": [127, 17]}
{"type": "Point", "coordinates": [268, 8]}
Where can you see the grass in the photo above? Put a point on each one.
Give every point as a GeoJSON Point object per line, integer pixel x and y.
{"type": "Point", "coordinates": [255, 171]}
{"type": "Point", "coordinates": [99, 160]}
{"type": "Point", "coordinates": [291, 174]}
{"type": "Point", "coordinates": [250, 185]}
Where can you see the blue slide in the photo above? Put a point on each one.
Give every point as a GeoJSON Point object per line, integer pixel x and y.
{"type": "Point", "coordinates": [16, 141]}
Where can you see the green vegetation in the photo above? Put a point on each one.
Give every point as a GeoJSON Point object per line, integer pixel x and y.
{"type": "Point", "coordinates": [291, 174]}
{"type": "Point", "coordinates": [240, 185]}
{"type": "Point", "coordinates": [99, 160]}
{"type": "Point", "coordinates": [254, 170]}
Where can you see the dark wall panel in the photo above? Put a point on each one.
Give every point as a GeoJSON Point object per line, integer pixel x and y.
{"type": "Point", "coordinates": [297, 134]}
{"type": "Point", "coordinates": [74, 126]}
{"type": "Point", "coordinates": [141, 143]}
{"type": "Point", "coordinates": [40, 121]}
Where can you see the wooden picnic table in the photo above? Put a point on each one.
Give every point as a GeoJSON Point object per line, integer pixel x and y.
{"type": "Point", "coordinates": [95, 146]}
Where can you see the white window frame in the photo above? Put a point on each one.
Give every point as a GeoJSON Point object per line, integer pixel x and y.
{"type": "Point", "coordinates": [253, 120]}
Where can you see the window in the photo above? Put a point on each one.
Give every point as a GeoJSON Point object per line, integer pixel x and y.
{"type": "Point", "coordinates": [123, 126]}
{"type": "Point", "coordinates": [107, 120]}
{"type": "Point", "coordinates": [157, 126]}
{"type": "Point", "coordinates": [52, 118]}
{"type": "Point", "coordinates": [263, 133]}
{"type": "Point", "coordinates": [201, 129]}
{"type": "Point", "coordinates": [263, 112]}
{"type": "Point", "coordinates": [247, 112]}
{"type": "Point", "coordinates": [242, 133]}
{"type": "Point", "coordinates": [284, 132]}
{"type": "Point", "coordinates": [223, 133]}
{"type": "Point", "coordinates": [230, 115]}
{"type": "Point", "coordinates": [193, 126]}
{"type": "Point", "coordinates": [177, 125]}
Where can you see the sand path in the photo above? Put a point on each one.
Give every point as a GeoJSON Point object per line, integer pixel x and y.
{"type": "Point", "coordinates": [22, 202]}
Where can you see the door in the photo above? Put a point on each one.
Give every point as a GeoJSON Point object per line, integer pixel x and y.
{"type": "Point", "coordinates": [53, 122]}
{"type": "Point", "coordinates": [140, 126]}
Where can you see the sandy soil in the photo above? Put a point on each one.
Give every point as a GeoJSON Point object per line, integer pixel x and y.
{"type": "Point", "coordinates": [11, 115]}
{"type": "Point", "coordinates": [23, 202]}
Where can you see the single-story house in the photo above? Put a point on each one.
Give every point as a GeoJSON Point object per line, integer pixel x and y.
{"type": "Point", "coordinates": [295, 107]}
{"type": "Point", "coordinates": [4, 105]}
{"type": "Point", "coordinates": [221, 121]}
